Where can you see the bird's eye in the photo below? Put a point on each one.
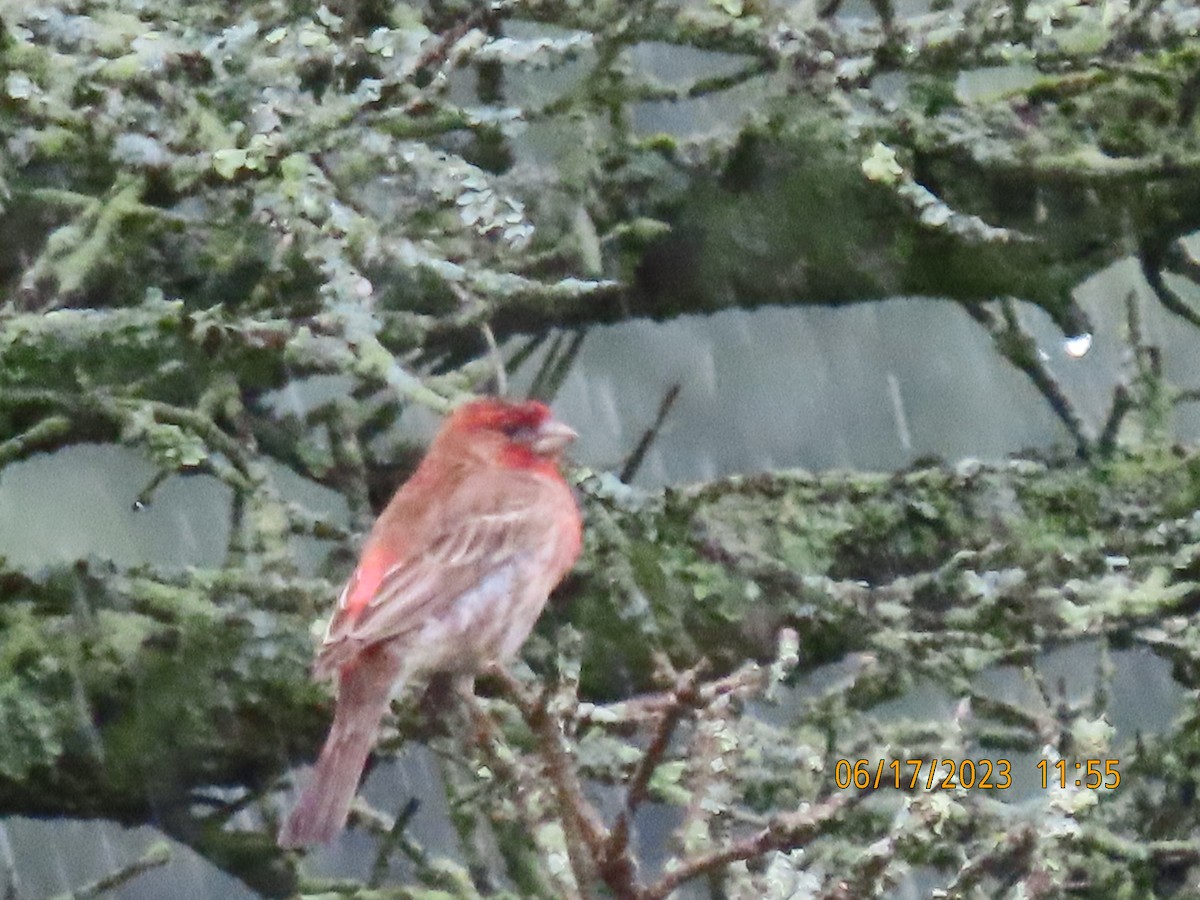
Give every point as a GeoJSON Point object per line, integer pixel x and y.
{"type": "Point", "coordinates": [519, 432]}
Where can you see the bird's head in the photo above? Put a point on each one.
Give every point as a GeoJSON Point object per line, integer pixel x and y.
{"type": "Point", "coordinates": [517, 433]}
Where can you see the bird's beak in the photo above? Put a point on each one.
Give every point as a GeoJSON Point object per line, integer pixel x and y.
{"type": "Point", "coordinates": [552, 437]}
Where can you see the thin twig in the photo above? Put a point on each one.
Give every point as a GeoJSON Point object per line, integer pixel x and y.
{"type": "Point", "coordinates": [785, 832]}
{"type": "Point", "coordinates": [1010, 855]}
{"type": "Point", "coordinates": [1019, 348]}
{"type": "Point", "coordinates": [638, 456]}
{"type": "Point", "coordinates": [342, 424]}
{"type": "Point", "coordinates": [395, 838]}
{"type": "Point", "coordinates": [303, 521]}
{"type": "Point", "coordinates": [647, 708]}
{"type": "Point", "coordinates": [1122, 405]}
{"type": "Point", "coordinates": [12, 878]}
{"type": "Point", "coordinates": [585, 833]}
{"type": "Point", "coordinates": [1170, 300]}
{"type": "Point", "coordinates": [158, 854]}
{"type": "Point", "coordinates": [555, 366]}
{"type": "Point", "coordinates": [146, 495]}
{"type": "Point", "coordinates": [508, 768]}
{"type": "Point", "coordinates": [682, 699]}
{"type": "Point", "coordinates": [1178, 260]}
{"type": "Point", "coordinates": [497, 359]}
{"type": "Point", "coordinates": [48, 434]}
{"type": "Point", "coordinates": [562, 773]}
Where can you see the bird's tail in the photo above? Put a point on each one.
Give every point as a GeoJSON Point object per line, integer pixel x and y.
{"type": "Point", "coordinates": [364, 690]}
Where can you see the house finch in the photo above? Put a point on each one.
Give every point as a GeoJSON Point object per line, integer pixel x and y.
{"type": "Point", "coordinates": [452, 578]}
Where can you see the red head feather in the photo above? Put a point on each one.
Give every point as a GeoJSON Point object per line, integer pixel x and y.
{"type": "Point", "coordinates": [520, 434]}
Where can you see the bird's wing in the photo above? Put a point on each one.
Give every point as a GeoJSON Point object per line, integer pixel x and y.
{"type": "Point", "coordinates": [491, 520]}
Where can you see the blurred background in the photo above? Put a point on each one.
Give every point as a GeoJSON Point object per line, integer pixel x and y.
{"type": "Point", "coordinates": [721, 238]}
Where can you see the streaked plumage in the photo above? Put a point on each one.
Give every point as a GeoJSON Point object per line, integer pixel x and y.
{"type": "Point", "coordinates": [452, 577]}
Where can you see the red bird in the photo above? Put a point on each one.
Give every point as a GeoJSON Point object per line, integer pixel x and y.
{"type": "Point", "coordinates": [452, 577]}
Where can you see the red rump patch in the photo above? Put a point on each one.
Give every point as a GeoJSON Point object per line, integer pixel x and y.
{"type": "Point", "coordinates": [364, 583]}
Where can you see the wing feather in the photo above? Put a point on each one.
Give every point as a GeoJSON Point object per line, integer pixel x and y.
{"type": "Point", "coordinates": [490, 521]}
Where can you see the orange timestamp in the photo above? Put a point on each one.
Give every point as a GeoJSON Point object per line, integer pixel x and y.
{"type": "Point", "coordinates": [1091, 774]}
{"type": "Point", "coordinates": [932, 774]}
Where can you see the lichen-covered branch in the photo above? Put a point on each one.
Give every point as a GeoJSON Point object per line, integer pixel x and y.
{"type": "Point", "coordinates": [206, 204]}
